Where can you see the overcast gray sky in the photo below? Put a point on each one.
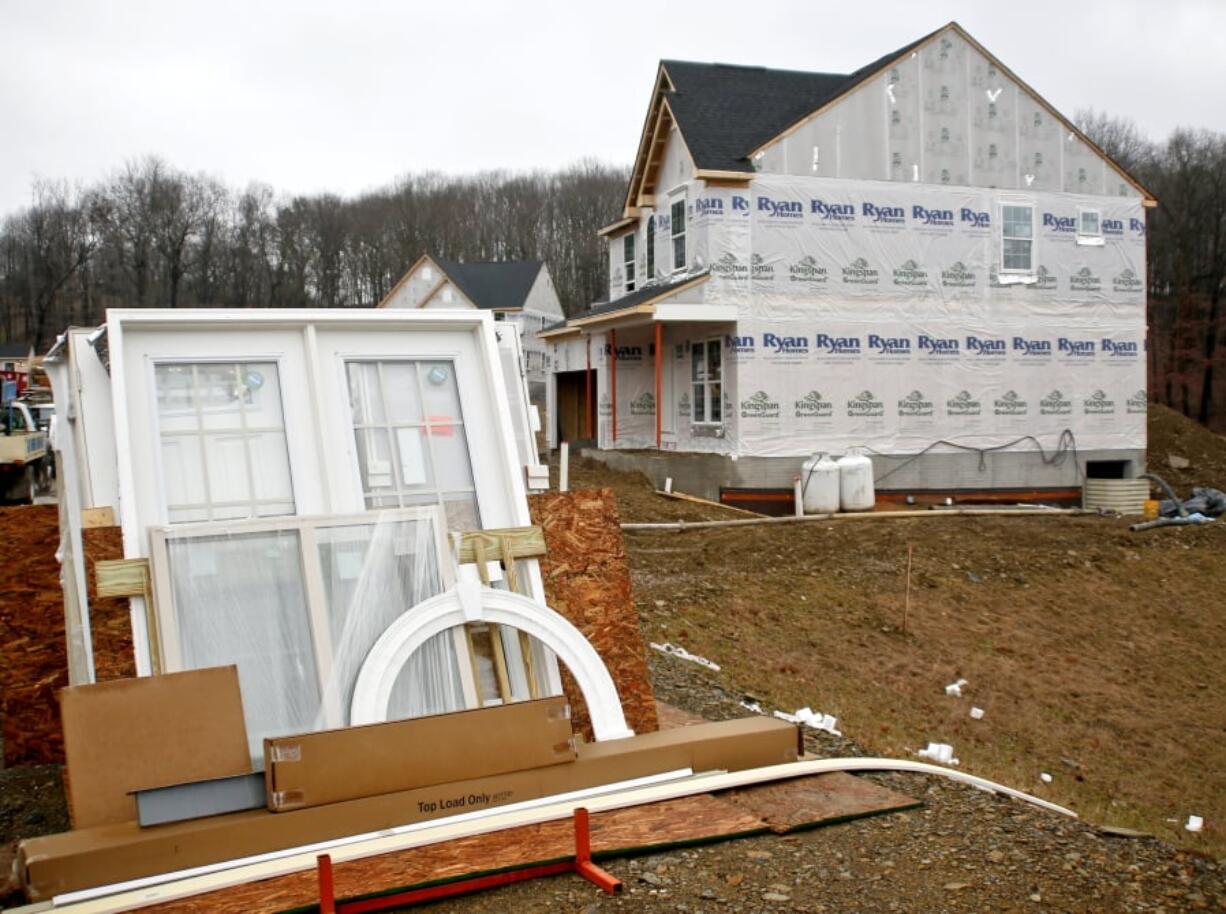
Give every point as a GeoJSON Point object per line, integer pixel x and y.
{"type": "Point", "coordinates": [310, 96]}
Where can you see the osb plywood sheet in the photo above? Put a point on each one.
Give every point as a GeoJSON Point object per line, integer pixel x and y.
{"type": "Point", "coordinates": [823, 799]}
{"type": "Point", "coordinates": [33, 654]}
{"type": "Point", "coordinates": [685, 820]}
{"type": "Point", "coordinates": [110, 621]}
{"type": "Point", "coordinates": [587, 580]}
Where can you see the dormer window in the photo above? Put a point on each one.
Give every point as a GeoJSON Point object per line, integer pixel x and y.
{"type": "Point", "coordinates": [651, 249]}
{"type": "Point", "coordinates": [628, 260]}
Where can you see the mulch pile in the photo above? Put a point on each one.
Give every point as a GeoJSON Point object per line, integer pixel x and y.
{"type": "Point", "coordinates": [33, 658]}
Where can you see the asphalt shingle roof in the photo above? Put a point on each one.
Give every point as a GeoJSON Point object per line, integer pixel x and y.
{"type": "Point", "coordinates": [637, 297]}
{"type": "Point", "coordinates": [725, 111]}
{"type": "Point", "coordinates": [14, 350]}
{"type": "Point", "coordinates": [493, 284]}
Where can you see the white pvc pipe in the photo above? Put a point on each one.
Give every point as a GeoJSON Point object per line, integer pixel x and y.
{"type": "Point", "coordinates": [564, 468]}
{"type": "Point", "coordinates": [300, 859]}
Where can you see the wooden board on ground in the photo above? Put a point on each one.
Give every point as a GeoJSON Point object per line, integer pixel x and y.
{"type": "Point", "coordinates": [587, 580]}
{"type": "Point", "coordinates": [689, 820]}
{"type": "Point", "coordinates": [826, 799]}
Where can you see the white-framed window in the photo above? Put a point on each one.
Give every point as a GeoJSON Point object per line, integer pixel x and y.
{"type": "Point", "coordinates": [676, 209]}
{"type": "Point", "coordinates": [628, 260]}
{"type": "Point", "coordinates": [1089, 226]}
{"type": "Point", "coordinates": [1016, 237]}
{"type": "Point", "coordinates": [706, 378]}
{"type": "Point", "coordinates": [411, 445]}
{"type": "Point", "coordinates": [221, 429]}
{"type": "Point", "coordinates": [651, 249]}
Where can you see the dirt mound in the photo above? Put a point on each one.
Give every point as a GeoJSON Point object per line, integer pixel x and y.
{"type": "Point", "coordinates": [1173, 434]}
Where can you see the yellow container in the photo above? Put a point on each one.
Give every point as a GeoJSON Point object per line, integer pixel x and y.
{"type": "Point", "coordinates": [1151, 507]}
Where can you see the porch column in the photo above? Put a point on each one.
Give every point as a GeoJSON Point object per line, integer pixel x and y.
{"type": "Point", "coordinates": [613, 379]}
{"type": "Point", "coordinates": [659, 377]}
{"type": "Point", "coordinates": [587, 396]}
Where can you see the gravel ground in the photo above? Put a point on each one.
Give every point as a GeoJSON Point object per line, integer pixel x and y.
{"type": "Point", "coordinates": [965, 851]}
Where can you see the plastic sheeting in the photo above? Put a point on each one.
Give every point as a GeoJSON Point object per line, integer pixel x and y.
{"type": "Point", "coordinates": [876, 314]}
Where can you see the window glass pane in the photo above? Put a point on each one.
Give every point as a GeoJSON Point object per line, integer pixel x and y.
{"type": "Point", "coordinates": [1017, 222]}
{"type": "Point", "coordinates": [229, 416]}
{"type": "Point", "coordinates": [461, 510]}
{"type": "Point", "coordinates": [183, 469]}
{"type": "Point", "coordinates": [375, 459]}
{"type": "Point", "coordinates": [717, 404]}
{"type": "Point", "coordinates": [679, 252]}
{"type": "Point", "coordinates": [628, 247]}
{"type": "Point", "coordinates": [401, 391]}
{"type": "Point", "coordinates": [1089, 222]}
{"type": "Point", "coordinates": [451, 457]}
{"type": "Point", "coordinates": [678, 216]}
{"type": "Point", "coordinates": [266, 633]}
{"type": "Point", "coordinates": [364, 395]}
{"type": "Point", "coordinates": [372, 574]}
{"type": "Point", "coordinates": [713, 359]}
{"type": "Point", "coordinates": [1016, 254]}
{"type": "Point", "coordinates": [699, 408]}
{"type": "Point", "coordinates": [440, 395]}
{"type": "Point", "coordinates": [698, 369]}
{"type": "Point", "coordinates": [412, 457]}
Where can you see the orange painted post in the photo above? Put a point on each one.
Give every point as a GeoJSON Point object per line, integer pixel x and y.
{"type": "Point", "coordinates": [659, 377]}
{"type": "Point", "coordinates": [613, 379]}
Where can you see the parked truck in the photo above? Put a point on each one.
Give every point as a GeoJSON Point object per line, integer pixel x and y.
{"type": "Point", "coordinates": [25, 461]}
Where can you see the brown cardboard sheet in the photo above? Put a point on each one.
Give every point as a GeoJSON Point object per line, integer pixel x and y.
{"type": "Point", "coordinates": [153, 731]}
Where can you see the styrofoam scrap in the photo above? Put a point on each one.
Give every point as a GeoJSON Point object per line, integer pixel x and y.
{"type": "Point", "coordinates": [977, 713]}
{"type": "Point", "coordinates": [682, 654]}
{"type": "Point", "coordinates": [752, 706]}
{"type": "Point", "coordinates": [812, 719]}
{"type": "Point", "coordinates": [1194, 824]}
{"type": "Point", "coordinates": [1044, 777]}
{"type": "Point", "coordinates": [942, 753]}
{"type": "Point", "coordinates": [955, 688]}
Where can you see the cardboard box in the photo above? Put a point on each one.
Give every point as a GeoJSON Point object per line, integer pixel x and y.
{"type": "Point", "coordinates": [76, 860]}
{"type": "Point", "coordinates": [130, 734]}
{"type": "Point", "coordinates": [312, 769]}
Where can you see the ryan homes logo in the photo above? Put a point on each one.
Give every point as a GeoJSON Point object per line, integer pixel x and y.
{"type": "Point", "coordinates": [1126, 350]}
{"type": "Point", "coordinates": [892, 347]}
{"type": "Point", "coordinates": [785, 345]}
{"type": "Point", "coordinates": [781, 211]}
{"type": "Point", "coordinates": [975, 219]}
{"type": "Point", "coordinates": [1076, 349]}
{"type": "Point", "coordinates": [1055, 404]}
{"type": "Point", "coordinates": [1127, 281]}
{"type": "Point", "coordinates": [859, 273]}
{"type": "Point", "coordinates": [935, 347]}
{"type": "Point", "coordinates": [1061, 224]}
{"type": "Point", "coordinates": [844, 346]}
{"type": "Point", "coordinates": [832, 212]}
{"type": "Point", "coordinates": [813, 406]}
{"type": "Point", "coordinates": [958, 276]}
{"type": "Point", "coordinates": [911, 274]}
{"type": "Point", "coordinates": [986, 347]}
{"type": "Point", "coordinates": [963, 405]}
{"type": "Point", "coordinates": [876, 214]}
{"type": "Point", "coordinates": [933, 218]}
{"type": "Point", "coordinates": [1137, 404]}
{"type": "Point", "coordinates": [760, 406]}
{"type": "Point", "coordinates": [1098, 404]}
{"type": "Point", "coordinates": [1010, 404]}
{"type": "Point", "coordinates": [1031, 349]}
{"type": "Point", "coordinates": [914, 406]}
{"type": "Point", "coordinates": [739, 345]}
{"type": "Point", "coordinates": [643, 405]}
{"type": "Point", "coordinates": [865, 406]}
{"type": "Point", "coordinates": [807, 270]}
{"type": "Point", "coordinates": [1113, 228]}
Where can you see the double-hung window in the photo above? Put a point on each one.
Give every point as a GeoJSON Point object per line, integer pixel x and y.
{"type": "Point", "coordinates": [222, 438]}
{"type": "Point", "coordinates": [706, 377]}
{"type": "Point", "coordinates": [410, 440]}
{"type": "Point", "coordinates": [628, 260]}
{"type": "Point", "coordinates": [651, 249]}
{"type": "Point", "coordinates": [1017, 238]}
{"type": "Point", "coordinates": [677, 225]}
{"type": "Point", "coordinates": [1089, 227]}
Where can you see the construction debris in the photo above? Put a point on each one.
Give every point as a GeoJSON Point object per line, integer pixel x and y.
{"type": "Point", "coordinates": [682, 654]}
